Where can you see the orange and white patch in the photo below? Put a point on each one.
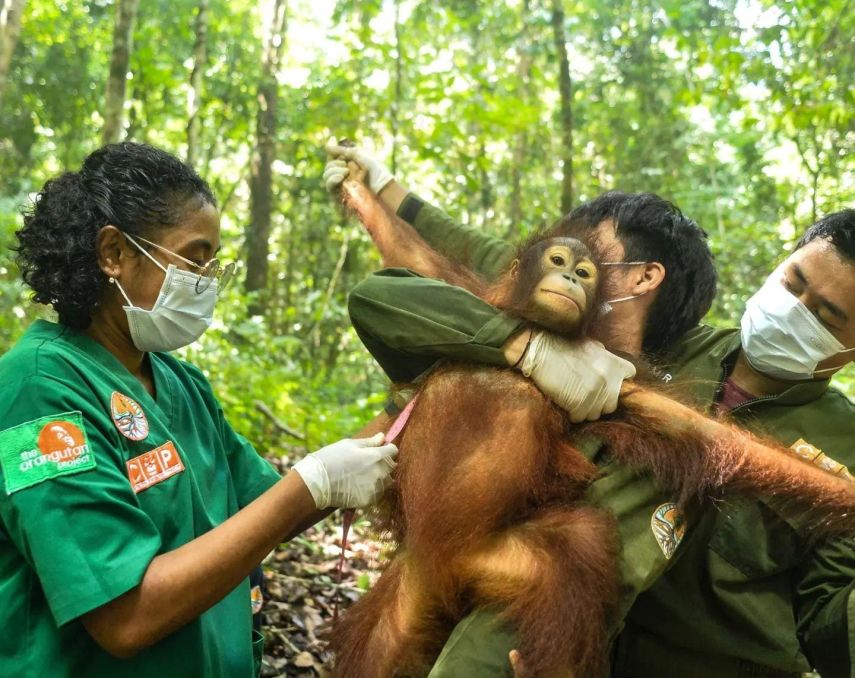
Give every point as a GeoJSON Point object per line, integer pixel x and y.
{"type": "Point", "coordinates": [128, 416]}
{"type": "Point", "coordinates": [153, 467]}
{"type": "Point", "coordinates": [61, 441]}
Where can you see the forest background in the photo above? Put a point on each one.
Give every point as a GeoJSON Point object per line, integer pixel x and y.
{"type": "Point", "coordinates": [507, 114]}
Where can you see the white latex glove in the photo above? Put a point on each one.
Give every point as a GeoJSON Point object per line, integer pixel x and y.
{"type": "Point", "coordinates": [349, 473]}
{"type": "Point", "coordinates": [378, 174]}
{"type": "Point", "coordinates": [335, 172]}
{"type": "Point", "coordinates": [581, 377]}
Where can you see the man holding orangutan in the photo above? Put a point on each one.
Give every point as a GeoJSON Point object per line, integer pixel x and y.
{"type": "Point", "coordinates": [746, 592]}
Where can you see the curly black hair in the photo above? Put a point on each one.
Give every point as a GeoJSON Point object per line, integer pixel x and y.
{"type": "Point", "coordinates": [135, 187]}
{"type": "Point", "coordinates": [839, 228]}
{"type": "Point", "coordinates": [653, 229]}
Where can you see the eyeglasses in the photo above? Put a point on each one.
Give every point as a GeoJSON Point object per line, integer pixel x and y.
{"type": "Point", "coordinates": [208, 272]}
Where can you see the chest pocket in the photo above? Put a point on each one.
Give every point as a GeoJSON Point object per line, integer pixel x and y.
{"type": "Point", "coordinates": [755, 540]}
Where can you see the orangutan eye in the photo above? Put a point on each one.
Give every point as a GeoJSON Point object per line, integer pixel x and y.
{"type": "Point", "coordinates": [557, 260]}
{"type": "Point", "coordinates": [583, 273]}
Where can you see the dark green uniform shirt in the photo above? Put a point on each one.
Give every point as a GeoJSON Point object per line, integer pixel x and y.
{"type": "Point", "coordinates": [750, 593]}
{"type": "Point", "coordinates": [96, 479]}
{"type": "Point", "coordinates": [743, 621]}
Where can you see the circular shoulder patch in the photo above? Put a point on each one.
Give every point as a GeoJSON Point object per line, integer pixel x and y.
{"type": "Point", "coordinates": [128, 416]}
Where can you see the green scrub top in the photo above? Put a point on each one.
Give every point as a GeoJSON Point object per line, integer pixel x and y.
{"type": "Point", "coordinates": [97, 477]}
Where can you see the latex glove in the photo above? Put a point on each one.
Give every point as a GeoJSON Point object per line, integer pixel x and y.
{"type": "Point", "coordinates": [335, 172]}
{"type": "Point", "coordinates": [350, 473]}
{"type": "Point", "coordinates": [378, 174]}
{"type": "Point", "coordinates": [581, 377]}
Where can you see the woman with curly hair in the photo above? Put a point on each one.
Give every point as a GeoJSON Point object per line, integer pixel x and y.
{"type": "Point", "coordinates": [131, 514]}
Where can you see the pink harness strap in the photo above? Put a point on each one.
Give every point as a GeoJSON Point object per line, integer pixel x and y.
{"type": "Point", "coordinates": [348, 514]}
{"type": "Point", "coordinates": [401, 421]}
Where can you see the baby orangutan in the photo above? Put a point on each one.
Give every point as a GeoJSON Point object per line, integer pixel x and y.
{"type": "Point", "coordinates": [487, 509]}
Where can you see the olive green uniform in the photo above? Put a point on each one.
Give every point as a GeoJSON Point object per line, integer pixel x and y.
{"type": "Point", "coordinates": [97, 477]}
{"type": "Point", "coordinates": [750, 593]}
{"type": "Point", "coordinates": [739, 622]}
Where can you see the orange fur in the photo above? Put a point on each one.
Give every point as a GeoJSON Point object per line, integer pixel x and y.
{"type": "Point", "coordinates": [487, 510]}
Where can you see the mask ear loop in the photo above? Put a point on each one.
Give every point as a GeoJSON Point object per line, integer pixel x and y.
{"type": "Point", "coordinates": [831, 369]}
{"type": "Point", "coordinates": [115, 282]}
{"type": "Point", "coordinates": [606, 306]}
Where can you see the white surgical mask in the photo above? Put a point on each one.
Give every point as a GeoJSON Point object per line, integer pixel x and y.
{"type": "Point", "coordinates": [179, 315]}
{"type": "Point", "coordinates": [781, 337]}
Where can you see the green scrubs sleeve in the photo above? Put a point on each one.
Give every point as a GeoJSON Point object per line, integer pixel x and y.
{"type": "Point", "coordinates": [408, 322]}
{"type": "Point", "coordinates": [485, 254]}
{"type": "Point", "coordinates": [825, 608]}
{"type": "Point", "coordinates": [251, 473]}
{"type": "Point", "coordinates": [67, 504]}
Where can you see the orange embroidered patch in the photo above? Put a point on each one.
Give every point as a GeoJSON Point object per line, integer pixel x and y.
{"type": "Point", "coordinates": [153, 467]}
{"type": "Point", "coordinates": [62, 441]}
{"type": "Point", "coordinates": [128, 416]}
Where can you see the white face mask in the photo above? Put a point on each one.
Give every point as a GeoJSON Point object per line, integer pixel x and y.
{"type": "Point", "coordinates": [179, 315]}
{"type": "Point", "coordinates": [781, 337]}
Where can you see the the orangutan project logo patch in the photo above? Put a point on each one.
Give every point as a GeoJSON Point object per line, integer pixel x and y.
{"type": "Point", "coordinates": [669, 527]}
{"type": "Point", "coordinates": [128, 416]}
{"type": "Point", "coordinates": [42, 449]}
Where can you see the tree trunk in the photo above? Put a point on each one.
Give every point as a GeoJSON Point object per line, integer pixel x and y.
{"type": "Point", "coordinates": [10, 29]}
{"type": "Point", "coordinates": [261, 171]}
{"type": "Point", "coordinates": [566, 89]}
{"type": "Point", "coordinates": [194, 99]}
{"type": "Point", "coordinates": [396, 104]}
{"type": "Point", "coordinates": [521, 145]}
{"type": "Point", "coordinates": [123, 29]}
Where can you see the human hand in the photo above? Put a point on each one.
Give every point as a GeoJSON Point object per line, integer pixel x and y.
{"type": "Point", "coordinates": [581, 377]}
{"type": "Point", "coordinates": [334, 173]}
{"type": "Point", "coordinates": [349, 473]}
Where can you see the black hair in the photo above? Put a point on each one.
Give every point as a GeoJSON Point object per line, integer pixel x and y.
{"type": "Point", "coordinates": [839, 228]}
{"type": "Point", "coordinates": [653, 229]}
{"type": "Point", "coordinates": [135, 187]}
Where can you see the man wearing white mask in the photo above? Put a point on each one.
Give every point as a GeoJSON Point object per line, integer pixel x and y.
{"type": "Point", "coordinates": [751, 594]}
{"type": "Point", "coordinates": [748, 594]}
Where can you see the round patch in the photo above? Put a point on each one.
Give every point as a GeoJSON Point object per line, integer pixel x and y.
{"type": "Point", "coordinates": [128, 416]}
{"type": "Point", "coordinates": [256, 598]}
{"type": "Point", "coordinates": [61, 440]}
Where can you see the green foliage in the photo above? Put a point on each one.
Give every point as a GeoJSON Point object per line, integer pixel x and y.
{"type": "Point", "coordinates": [741, 113]}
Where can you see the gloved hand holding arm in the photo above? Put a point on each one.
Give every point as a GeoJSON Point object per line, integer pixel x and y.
{"type": "Point", "coordinates": [581, 376]}
{"type": "Point", "coordinates": [349, 473]}
{"type": "Point", "coordinates": [380, 180]}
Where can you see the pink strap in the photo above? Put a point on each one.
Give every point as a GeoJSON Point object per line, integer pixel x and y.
{"type": "Point", "coordinates": [401, 421]}
{"type": "Point", "coordinates": [347, 514]}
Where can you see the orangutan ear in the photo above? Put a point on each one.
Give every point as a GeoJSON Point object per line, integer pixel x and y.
{"type": "Point", "coordinates": [514, 269]}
